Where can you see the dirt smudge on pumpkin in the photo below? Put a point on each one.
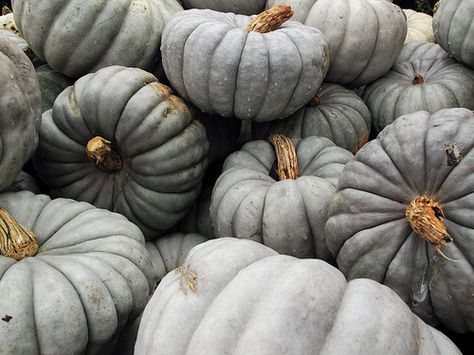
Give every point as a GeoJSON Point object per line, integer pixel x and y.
{"type": "Point", "coordinates": [361, 142]}
{"type": "Point", "coordinates": [188, 280]}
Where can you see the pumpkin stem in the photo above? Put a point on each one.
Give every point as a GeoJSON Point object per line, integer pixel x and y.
{"type": "Point", "coordinates": [16, 241]}
{"type": "Point", "coordinates": [99, 150]}
{"type": "Point", "coordinates": [418, 79]}
{"type": "Point", "coordinates": [287, 161]}
{"type": "Point", "coordinates": [426, 218]}
{"type": "Point", "coordinates": [270, 19]}
{"type": "Point", "coordinates": [315, 101]}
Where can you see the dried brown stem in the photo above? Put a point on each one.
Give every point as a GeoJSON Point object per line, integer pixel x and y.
{"type": "Point", "coordinates": [270, 19]}
{"type": "Point", "coordinates": [418, 79]}
{"type": "Point", "coordinates": [287, 161]}
{"type": "Point", "coordinates": [16, 241]}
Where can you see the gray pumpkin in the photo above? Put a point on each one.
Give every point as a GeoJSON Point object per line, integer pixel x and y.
{"type": "Point", "coordinates": [150, 156]}
{"type": "Point", "coordinates": [423, 78]}
{"type": "Point", "coordinates": [244, 7]}
{"type": "Point", "coordinates": [453, 26]}
{"type": "Point", "coordinates": [51, 84]}
{"type": "Point", "coordinates": [364, 36]}
{"type": "Point", "coordinates": [20, 110]}
{"type": "Point", "coordinates": [23, 181]}
{"type": "Point", "coordinates": [403, 213]}
{"type": "Point", "coordinates": [80, 37]}
{"type": "Point", "coordinates": [239, 297]}
{"type": "Point", "coordinates": [213, 61]}
{"type": "Point", "coordinates": [335, 113]}
{"type": "Point", "coordinates": [91, 275]}
{"type": "Point", "coordinates": [285, 213]}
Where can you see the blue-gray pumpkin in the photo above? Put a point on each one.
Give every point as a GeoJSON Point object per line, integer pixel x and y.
{"type": "Point", "coordinates": [120, 140]}
{"type": "Point", "coordinates": [236, 66]}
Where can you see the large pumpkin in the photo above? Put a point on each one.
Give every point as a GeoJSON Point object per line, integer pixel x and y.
{"type": "Point", "coordinates": [90, 276]}
{"type": "Point", "coordinates": [423, 78]}
{"type": "Point", "coordinates": [232, 65]}
{"type": "Point", "coordinates": [335, 112]}
{"type": "Point", "coordinates": [364, 36]}
{"type": "Point", "coordinates": [453, 25]}
{"type": "Point", "coordinates": [403, 215]}
{"type": "Point", "coordinates": [77, 37]}
{"type": "Point", "coordinates": [239, 297]}
{"type": "Point", "coordinates": [287, 210]}
{"type": "Point", "coordinates": [20, 110]}
{"type": "Point", "coordinates": [245, 7]}
{"type": "Point", "coordinates": [120, 140]}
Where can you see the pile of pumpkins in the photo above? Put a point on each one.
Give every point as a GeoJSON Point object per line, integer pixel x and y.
{"type": "Point", "coordinates": [236, 177]}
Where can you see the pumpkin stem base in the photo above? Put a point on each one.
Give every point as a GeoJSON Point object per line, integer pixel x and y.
{"type": "Point", "coordinates": [99, 150]}
{"type": "Point", "coordinates": [426, 218]}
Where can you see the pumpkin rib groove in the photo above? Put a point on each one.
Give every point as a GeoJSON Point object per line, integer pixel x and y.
{"type": "Point", "coordinates": [268, 73]}
{"type": "Point", "coordinates": [35, 316]}
{"type": "Point", "coordinates": [238, 69]}
{"type": "Point", "coordinates": [76, 293]}
{"type": "Point", "coordinates": [209, 69]}
{"type": "Point", "coordinates": [448, 33]}
{"type": "Point", "coordinates": [299, 75]}
{"type": "Point", "coordinates": [387, 269]}
{"type": "Point", "coordinates": [305, 209]}
{"type": "Point", "coordinates": [67, 59]}
{"type": "Point", "coordinates": [344, 25]}
{"type": "Point", "coordinates": [55, 18]}
{"type": "Point", "coordinates": [464, 44]}
{"type": "Point", "coordinates": [369, 58]}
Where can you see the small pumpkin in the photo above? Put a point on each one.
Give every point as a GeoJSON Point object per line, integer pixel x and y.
{"type": "Point", "coordinates": [260, 68]}
{"type": "Point", "coordinates": [239, 297]}
{"type": "Point", "coordinates": [285, 210]}
{"type": "Point", "coordinates": [121, 140]}
{"type": "Point", "coordinates": [364, 36]}
{"type": "Point", "coordinates": [335, 112]}
{"type": "Point", "coordinates": [82, 274]}
{"type": "Point", "coordinates": [402, 215]}
{"type": "Point", "coordinates": [244, 7]}
{"type": "Point", "coordinates": [423, 78]}
{"type": "Point", "coordinates": [79, 37]}
{"type": "Point", "coordinates": [419, 26]}
{"type": "Point", "coordinates": [453, 26]}
{"type": "Point", "coordinates": [20, 111]}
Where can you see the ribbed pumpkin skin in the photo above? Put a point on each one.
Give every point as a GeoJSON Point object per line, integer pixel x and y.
{"type": "Point", "coordinates": [51, 84]}
{"type": "Point", "coordinates": [367, 229]}
{"type": "Point", "coordinates": [77, 37]}
{"type": "Point", "coordinates": [447, 84]}
{"type": "Point", "coordinates": [341, 116]}
{"type": "Point", "coordinates": [23, 181]}
{"type": "Point", "coordinates": [419, 26]}
{"type": "Point", "coordinates": [212, 61]}
{"type": "Point", "coordinates": [365, 36]}
{"type": "Point", "coordinates": [454, 29]}
{"type": "Point", "coordinates": [244, 7]}
{"type": "Point", "coordinates": [163, 149]}
{"type": "Point", "coordinates": [20, 110]}
{"type": "Point", "coordinates": [250, 301]}
{"type": "Point", "coordinates": [198, 219]}
{"type": "Point", "coordinates": [91, 275]}
{"type": "Point", "coordinates": [287, 215]}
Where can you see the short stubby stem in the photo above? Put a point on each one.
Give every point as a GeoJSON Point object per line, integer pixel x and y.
{"type": "Point", "coordinates": [315, 101]}
{"type": "Point", "coordinates": [16, 241]}
{"type": "Point", "coordinates": [270, 19]}
{"type": "Point", "coordinates": [426, 218]}
{"type": "Point", "coordinates": [418, 79]}
{"type": "Point", "coordinates": [99, 150]}
{"type": "Point", "coordinates": [287, 161]}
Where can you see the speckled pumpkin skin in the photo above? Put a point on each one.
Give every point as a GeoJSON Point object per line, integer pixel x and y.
{"type": "Point", "coordinates": [163, 149]}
